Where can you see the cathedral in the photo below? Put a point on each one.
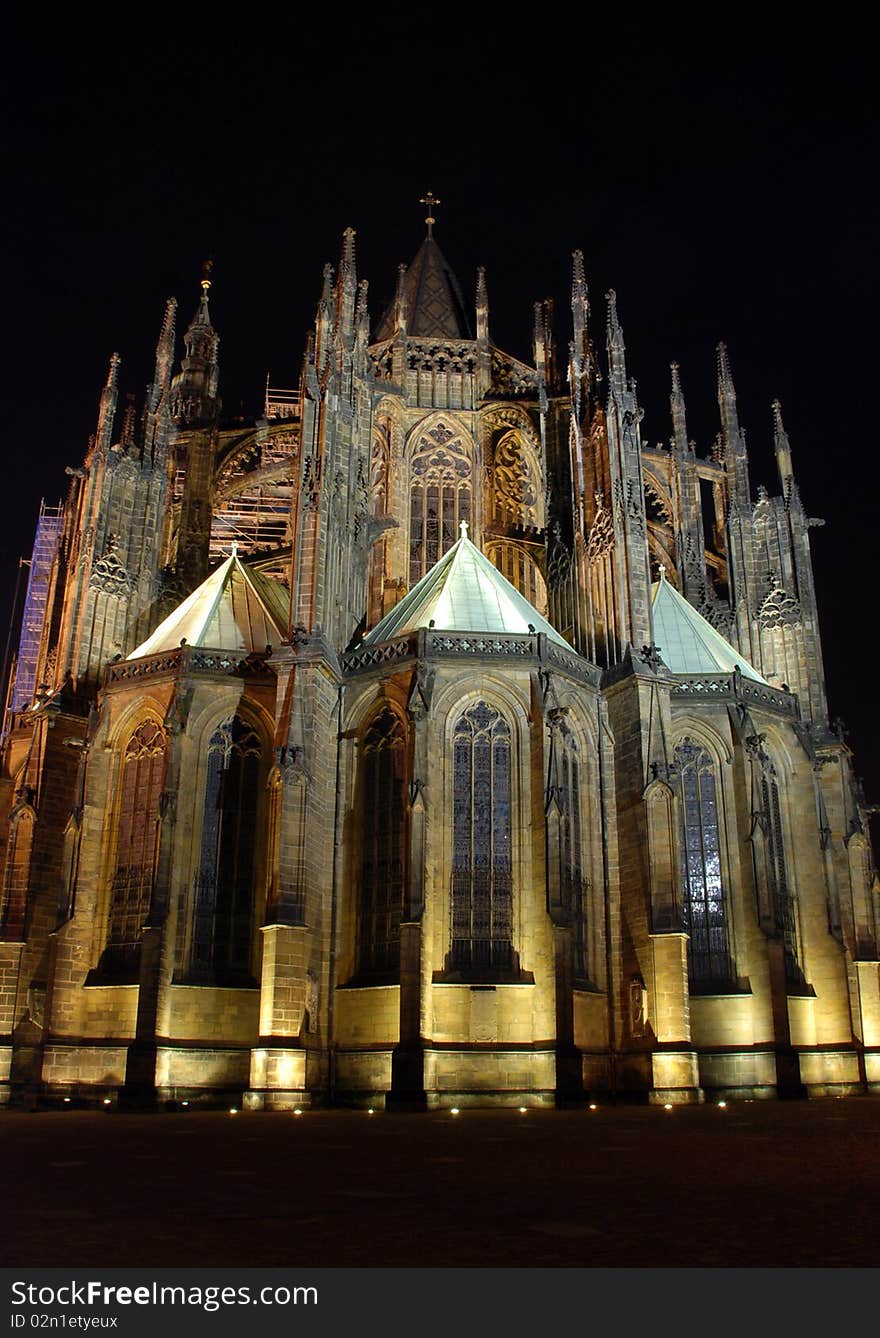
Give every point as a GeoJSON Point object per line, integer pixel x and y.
{"type": "Point", "coordinates": [431, 740]}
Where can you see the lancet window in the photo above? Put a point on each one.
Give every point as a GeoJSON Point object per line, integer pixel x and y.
{"type": "Point", "coordinates": [383, 762]}
{"type": "Point", "coordinates": [15, 875]}
{"type": "Point", "coordinates": [704, 909]}
{"type": "Point", "coordinates": [143, 777]}
{"type": "Point", "coordinates": [441, 496]}
{"type": "Point", "coordinates": [482, 874]}
{"type": "Point", "coordinates": [224, 891]}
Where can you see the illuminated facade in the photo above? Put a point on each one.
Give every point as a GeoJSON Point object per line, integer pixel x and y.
{"type": "Point", "coordinates": [430, 740]}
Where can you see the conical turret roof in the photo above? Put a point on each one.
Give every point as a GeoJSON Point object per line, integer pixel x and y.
{"type": "Point", "coordinates": [235, 609]}
{"type": "Point", "coordinates": [463, 592]}
{"type": "Point", "coordinates": [435, 308]}
{"type": "Point", "coordinates": [687, 642]}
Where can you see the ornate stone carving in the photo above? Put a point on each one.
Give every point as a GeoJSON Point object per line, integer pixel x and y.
{"type": "Point", "coordinates": [109, 575]}
{"type": "Point", "coordinates": [778, 609]}
{"type": "Point", "coordinates": [601, 537]}
{"type": "Point", "coordinates": [559, 562]}
{"type": "Point", "coordinates": [515, 484]}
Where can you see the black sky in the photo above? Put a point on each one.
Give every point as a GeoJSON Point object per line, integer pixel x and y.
{"type": "Point", "coordinates": [719, 173]}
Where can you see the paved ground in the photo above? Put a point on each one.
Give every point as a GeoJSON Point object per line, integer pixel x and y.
{"type": "Point", "coordinates": [756, 1184]}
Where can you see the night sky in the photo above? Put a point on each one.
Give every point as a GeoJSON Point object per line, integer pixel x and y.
{"type": "Point", "coordinates": [722, 179]}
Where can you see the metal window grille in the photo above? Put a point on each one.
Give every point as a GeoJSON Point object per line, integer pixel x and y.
{"type": "Point", "coordinates": [704, 909]}
{"type": "Point", "coordinates": [481, 845]}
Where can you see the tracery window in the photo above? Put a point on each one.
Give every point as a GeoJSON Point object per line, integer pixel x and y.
{"type": "Point", "coordinates": [704, 910]}
{"type": "Point", "coordinates": [224, 892]}
{"type": "Point", "coordinates": [441, 497]}
{"type": "Point", "coordinates": [383, 846]}
{"type": "Point", "coordinates": [482, 921]}
{"type": "Point", "coordinates": [516, 484]}
{"type": "Point", "coordinates": [574, 883]}
{"type": "Point", "coordinates": [15, 875]}
{"type": "Point", "coordinates": [131, 889]}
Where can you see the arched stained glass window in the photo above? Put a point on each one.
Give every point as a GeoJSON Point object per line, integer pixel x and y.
{"type": "Point", "coordinates": [15, 876]}
{"type": "Point", "coordinates": [224, 892]}
{"type": "Point", "coordinates": [704, 908]}
{"type": "Point", "coordinates": [143, 777]}
{"type": "Point", "coordinates": [383, 846]}
{"type": "Point", "coordinates": [482, 921]}
{"type": "Point", "coordinates": [440, 498]}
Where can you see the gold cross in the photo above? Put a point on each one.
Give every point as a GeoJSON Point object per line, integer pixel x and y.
{"type": "Point", "coordinates": [430, 200]}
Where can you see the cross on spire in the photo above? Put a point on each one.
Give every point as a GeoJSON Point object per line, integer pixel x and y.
{"type": "Point", "coordinates": [430, 200]}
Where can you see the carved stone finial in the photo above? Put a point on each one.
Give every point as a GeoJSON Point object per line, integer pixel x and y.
{"type": "Point", "coordinates": [463, 529]}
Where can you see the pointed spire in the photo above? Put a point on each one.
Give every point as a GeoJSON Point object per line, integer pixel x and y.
{"type": "Point", "coordinates": [194, 388]}
{"type": "Point", "coordinates": [362, 316]}
{"type": "Point", "coordinates": [616, 346]}
{"type": "Point", "coordinates": [726, 393]}
{"type": "Point", "coordinates": [733, 437]}
{"type": "Point", "coordinates": [400, 301]}
{"type": "Point", "coordinates": [325, 303]}
{"type": "Point", "coordinates": [539, 341]}
{"type": "Point", "coordinates": [346, 287]}
{"type": "Point", "coordinates": [107, 406]}
{"type": "Point", "coordinates": [679, 420]}
{"type": "Point", "coordinates": [348, 264]}
{"type": "Point", "coordinates": [164, 357]}
{"type": "Point", "coordinates": [782, 449]}
{"type": "Point", "coordinates": [580, 306]}
{"type": "Point", "coordinates": [482, 307]}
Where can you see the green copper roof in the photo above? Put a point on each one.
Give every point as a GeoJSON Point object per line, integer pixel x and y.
{"type": "Point", "coordinates": [234, 609]}
{"type": "Point", "coordinates": [688, 643]}
{"type": "Point", "coordinates": [463, 592]}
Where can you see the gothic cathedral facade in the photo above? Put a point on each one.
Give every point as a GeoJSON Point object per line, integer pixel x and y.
{"type": "Point", "coordinates": [430, 740]}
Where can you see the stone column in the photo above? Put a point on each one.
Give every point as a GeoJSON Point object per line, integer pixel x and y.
{"type": "Point", "coordinates": [287, 994]}
{"type": "Point", "coordinates": [139, 1089]}
{"type": "Point", "coordinates": [569, 1061]}
{"type": "Point", "coordinates": [408, 1057]}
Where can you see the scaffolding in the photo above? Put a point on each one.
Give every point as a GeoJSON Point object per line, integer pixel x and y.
{"type": "Point", "coordinates": [46, 540]}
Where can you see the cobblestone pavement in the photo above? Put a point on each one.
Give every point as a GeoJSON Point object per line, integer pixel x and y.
{"type": "Point", "coordinates": [752, 1184]}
